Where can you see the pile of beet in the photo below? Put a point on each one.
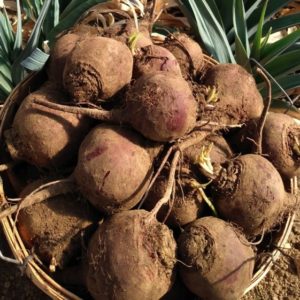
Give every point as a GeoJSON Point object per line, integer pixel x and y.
{"type": "Point", "coordinates": [146, 170]}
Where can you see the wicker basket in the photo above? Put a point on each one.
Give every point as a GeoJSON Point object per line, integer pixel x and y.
{"type": "Point", "coordinates": [33, 269]}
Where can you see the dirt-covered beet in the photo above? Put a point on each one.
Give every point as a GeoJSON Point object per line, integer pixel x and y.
{"type": "Point", "coordinates": [249, 191]}
{"type": "Point", "coordinates": [161, 106]}
{"type": "Point", "coordinates": [113, 168]}
{"type": "Point", "coordinates": [280, 142]}
{"type": "Point", "coordinates": [131, 256]}
{"type": "Point", "coordinates": [219, 153]}
{"type": "Point", "coordinates": [97, 68]}
{"type": "Point", "coordinates": [218, 261]}
{"type": "Point", "coordinates": [45, 137]}
{"type": "Point", "coordinates": [187, 52]}
{"type": "Point", "coordinates": [58, 56]}
{"type": "Point", "coordinates": [186, 206]}
{"type": "Point", "coordinates": [237, 99]}
{"type": "Point", "coordinates": [155, 58]}
{"type": "Point", "coordinates": [54, 228]}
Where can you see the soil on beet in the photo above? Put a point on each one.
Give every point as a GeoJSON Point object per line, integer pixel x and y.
{"type": "Point", "coordinates": [281, 283]}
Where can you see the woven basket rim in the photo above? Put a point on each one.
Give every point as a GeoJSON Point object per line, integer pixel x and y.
{"type": "Point", "coordinates": [36, 274]}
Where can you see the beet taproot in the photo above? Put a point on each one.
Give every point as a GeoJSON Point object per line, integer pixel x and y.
{"type": "Point", "coordinates": [155, 58]}
{"type": "Point", "coordinates": [54, 228]}
{"type": "Point", "coordinates": [237, 98]}
{"type": "Point", "coordinates": [131, 257]}
{"type": "Point", "coordinates": [218, 262]}
{"type": "Point", "coordinates": [97, 68]}
{"type": "Point", "coordinates": [187, 52]}
{"type": "Point", "coordinates": [160, 106]}
{"type": "Point", "coordinates": [113, 168]}
{"type": "Point", "coordinates": [280, 142]}
{"type": "Point", "coordinates": [58, 56]}
{"type": "Point", "coordinates": [45, 137]}
{"type": "Point", "coordinates": [249, 191]}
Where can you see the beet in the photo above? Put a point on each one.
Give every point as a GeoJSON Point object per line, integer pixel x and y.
{"type": "Point", "coordinates": [131, 256]}
{"type": "Point", "coordinates": [97, 68]}
{"type": "Point", "coordinates": [45, 137]}
{"type": "Point", "coordinates": [187, 207]}
{"type": "Point", "coordinates": [160, 106]}
{"type": "Point", "coordinates": [218, 263]}
{"type": "Point", "coordinates": [113, 169]}
{"type": "Point", "coordinates": [187, 52]}
{"type": "Point", "coordinates": [249, 192]}
{"type": "Point", "coordinates": [54, 228]}
{"type": "Point", "coordinates": [280, 142]}
{"type": "Point", "coordinates": [155, 58]}
{"type": "Point", "coordinates": [58, 56]}
{"type": "Point", "coordinates": [238, 99]}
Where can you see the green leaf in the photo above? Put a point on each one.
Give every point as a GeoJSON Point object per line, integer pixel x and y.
{"type": "Point", "coordinates": [240, 26]}
{"type": "Point", "coordinates": [284, 64]}
{"type": "Point", "coordinates": [73, 11]}
{"type": "Point", "coordinates": [273, 7]}
{"type": "Point", "coordinates": [5, 85]}
{"type": "Point", "coordinates": [256, 46]}
{"type": "Point", "coordinates": [19, 35]}
{"type": "Point", "coordinates": [17, 69]}
{"type": "Point", "coordinates": [216, 12]}
{"type": "Point", "coordinates": [52, 18]}
{"type": "Point", "coordinates": [265, 40]}
{"type": "Point", "coordinates": [3, 95]}
{"type": "Point", "coordinates": [5, 68]}
{"type": "Point", "coordinates": [36, 60]}
{"type": "Point", "coordinates": [284, 107]}
{"type": "Point", "coordinates": [289, 82]}
{"type": "Point", "coordinates": [271, 51]}
{"type": "Point", "coordinates": [5, 38]}
{"type": "Point", "coordinates": [282, 23]}
{"type": "Point", "coordinates": [241, 55]}
{"type": "Point", "coordinates": [225, 10]}
{"type": "Point", "coordinates": [210, 31]}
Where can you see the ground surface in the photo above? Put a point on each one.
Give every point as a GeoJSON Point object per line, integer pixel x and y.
{"type": "Point", "coordinates": [282, 283]}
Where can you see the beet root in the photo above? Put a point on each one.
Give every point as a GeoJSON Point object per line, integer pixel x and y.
{"type": "Point", "coordinates": [97, 69]}
{"type": "Point", "coordinates": [187, 52]}
{"type": "Point", "coordinates": [161, 106]}
{"type": "Point", "coordinates": [113, 169]}
{"type": "Point", "coordinates": [250, 192]}
{"type": "Point", "coordinates": [54, 227]}
{"type": "Point", "coordinates": [155, 58]}
{"type": "Point", "coordinates": [237, 100]}
{"type": "Point", "coordinates": [58, 56]}
{"type": "Point", "coordinates": [131, 257]}
{"type": "Point", "coordinates": [215, 267]}
{"type": "Point", "coordinates": [45, 137]}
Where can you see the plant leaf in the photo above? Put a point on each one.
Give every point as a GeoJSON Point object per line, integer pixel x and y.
{"type": "Point", "coordinates": [36, 60]}
{"type": "Point", "coordinates": [280, 106]}
{"type": "Point", "coordinates": [256, 46]}
{"type": "Point", "coordinates": [240, 27]}
{"type": "Point", "coordinates": [288, 83]}
{"type": "Point", "coordinates": [18, 71]}
{"type": "Point", "coordinates": [271, 51]}
{"type": "Point", "coordinates": [284, 64]}
{"type": "Point", "coordinates": [282, 23]}
{"type": "Point", "coordinates": [241, 55]}
{"type": "Point", "coordinates": [71, 14]}
{"type": "Point", "coordinates": [19, 35]}
{"type": "Point", "coordinates": [5, 85]}
{"type": "Point", "coordinates": [52, 18]}
{"type": "Point", "coordinates": [210, 31]}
